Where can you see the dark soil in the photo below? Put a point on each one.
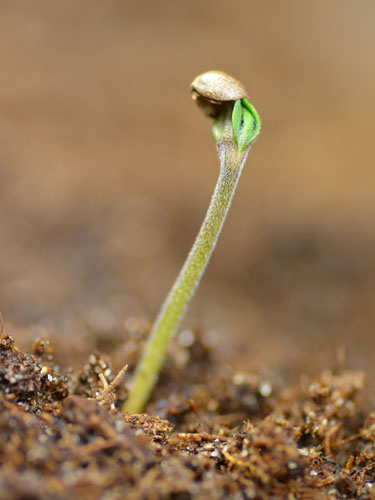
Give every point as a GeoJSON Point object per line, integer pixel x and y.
{"type": "Point", "coordinates": [210, 432]}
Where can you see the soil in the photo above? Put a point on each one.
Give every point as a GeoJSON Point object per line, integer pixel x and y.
{"type": "Point", "coordinates": [210, 431]}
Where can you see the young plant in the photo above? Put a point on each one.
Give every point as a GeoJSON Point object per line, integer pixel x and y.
{"type": "Point", "coordinates": [236, 125]}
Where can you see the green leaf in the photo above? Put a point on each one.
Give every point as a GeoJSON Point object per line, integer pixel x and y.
{"type": "Point", "coordinates": [245, 122]}
{"type": "Point", "coordinates": [246, 104]}
{"type": "Point", "coordinates": [246, 130]}
{"type": "Point", "coordinates": [237, 117]}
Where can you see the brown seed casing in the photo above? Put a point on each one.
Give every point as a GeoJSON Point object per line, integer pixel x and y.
{"type": "Point", "coordinates": [218, 86]}
{"type": "Point", "coordinates": [213, 88]}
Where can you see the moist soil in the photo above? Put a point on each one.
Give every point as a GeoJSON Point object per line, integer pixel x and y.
{"type": "Point", "coordinates": [209, 432]}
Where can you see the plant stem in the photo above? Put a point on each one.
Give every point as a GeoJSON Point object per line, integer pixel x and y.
{"type": "Point", "coordinates": [171, 313]}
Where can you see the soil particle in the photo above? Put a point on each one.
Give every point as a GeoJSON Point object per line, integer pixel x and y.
{"type": "Point", "coordinates": [27, 381]}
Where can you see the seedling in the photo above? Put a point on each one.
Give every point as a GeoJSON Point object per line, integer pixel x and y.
{"type": "Point", "coordinates": [236, 125]}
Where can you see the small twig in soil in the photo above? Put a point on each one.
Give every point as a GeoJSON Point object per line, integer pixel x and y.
{"type": "Point", "coordinates": [107, 397]}
{"type": "Point", "coordinates": [327, 439]}
{"type": "Point", "coordinates": [90, 448]}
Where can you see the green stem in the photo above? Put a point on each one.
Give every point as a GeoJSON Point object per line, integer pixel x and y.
{"type": "Point", "coordinates": [172, 311]}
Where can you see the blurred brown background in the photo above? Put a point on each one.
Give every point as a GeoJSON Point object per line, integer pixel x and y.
{"type": "Point", "coordinates": [107, 168]}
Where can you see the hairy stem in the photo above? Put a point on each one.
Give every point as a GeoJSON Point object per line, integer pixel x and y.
{"type": "Point", "coordinates": [172, 311]}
